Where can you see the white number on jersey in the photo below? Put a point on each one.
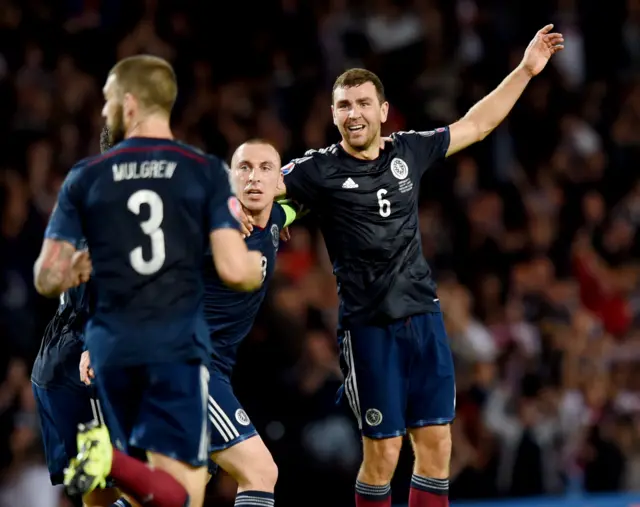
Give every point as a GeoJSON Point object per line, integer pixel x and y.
{"type": "Point", "coordinates": [385, 205]}
{"type": "Point", "coordinates": [151, 228]}
{"type": "Point", "coordinates": [263, 264]}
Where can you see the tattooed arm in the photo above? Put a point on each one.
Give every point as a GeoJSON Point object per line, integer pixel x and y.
{"type": "Point", "coordinates": [60, 267]}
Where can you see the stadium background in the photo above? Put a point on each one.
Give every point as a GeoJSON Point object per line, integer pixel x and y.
{"type": "Point", "coordinates": [533, 234]}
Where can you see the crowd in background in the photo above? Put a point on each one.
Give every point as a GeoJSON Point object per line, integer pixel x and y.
{"type": "Point", "coordinates": [533, 234]}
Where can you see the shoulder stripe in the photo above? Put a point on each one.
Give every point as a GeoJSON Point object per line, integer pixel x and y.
{"type": "Point", "coordinates": [139, 149]}
{"type": "Point", "coordinates": [333, 149]}
{"type": "Point", "coordinates": [423, 133]}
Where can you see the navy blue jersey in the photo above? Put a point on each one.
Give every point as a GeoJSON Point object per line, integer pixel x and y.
{"type": "Point", "coordinates": [146, 208]}
{"type": "Point", "coordinates": [230, 314]}
{"type": "Point", "coordinates": [368, 212]}
{"type": "Point", "coordinates": [59, 355]}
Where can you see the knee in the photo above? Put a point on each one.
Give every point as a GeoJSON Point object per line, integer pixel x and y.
{"type": "Point", "coordinates": [380, 460]}
{"type": "Point", "coordinates": [432, 449]}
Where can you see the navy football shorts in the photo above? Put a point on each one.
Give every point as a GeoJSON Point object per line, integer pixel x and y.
{"type": "Point", "coordinates": [60, 409]}
{"type": "Point", "coordinates": [229, 423]}
{"type": "Point", "coordinates": [398, 376]}
{"type": "Point", "coordinates": [159, 408]}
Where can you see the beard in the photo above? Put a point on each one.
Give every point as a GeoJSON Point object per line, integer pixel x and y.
{"type": "Point", "coordinates": [105, 139]}
{"type": "Point", "coordinates": [116, 131]}
{"type": "Point", "coordinates": [360, 144]}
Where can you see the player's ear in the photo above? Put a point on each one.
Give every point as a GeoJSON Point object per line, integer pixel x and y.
{"type": "Point", "coordinates": [384, 111]}
{"type": "Point", "coordinates": [333, 115]}
{"type": "Point", "coordinates": [129, 105]}
{"type": "Point", "coordinates": [280, 180]}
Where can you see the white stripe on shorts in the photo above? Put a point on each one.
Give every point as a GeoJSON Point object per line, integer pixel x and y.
{"type": "Point", "coordinates": [97, 410]}
{"type": "Point", "coordinates": [203, 446]}
{"type": "Point", "coordinates": [221, 421]}
{"type": "Point", "coordinates": [350, 383]}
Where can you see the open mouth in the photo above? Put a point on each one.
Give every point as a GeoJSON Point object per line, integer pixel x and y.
{"type": "Point", "coordinates": [355, 128]}
{"type": "Point", "coordinates": [253, 191]}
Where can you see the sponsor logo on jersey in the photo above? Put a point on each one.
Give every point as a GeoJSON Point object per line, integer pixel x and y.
{"type": "Point", "coordinates": [349, 183]}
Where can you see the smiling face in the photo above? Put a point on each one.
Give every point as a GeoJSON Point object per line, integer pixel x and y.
{"type": "Point", "coordinates": [255, 172]}
{"type": "Point", "coordinates": [359, 115]}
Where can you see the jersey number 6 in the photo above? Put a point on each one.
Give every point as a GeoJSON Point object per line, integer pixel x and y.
{"type": "Point", "coordinates": [385, 205]}
{"type": "Point", "coordinates": [151, 228]}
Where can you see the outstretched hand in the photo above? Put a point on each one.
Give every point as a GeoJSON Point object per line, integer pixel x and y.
{"type": "Point", "coordinates": [541, 48]}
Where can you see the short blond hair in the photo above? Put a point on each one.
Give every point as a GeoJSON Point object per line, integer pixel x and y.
{"type": "Point", "coordinates": [149, 79]}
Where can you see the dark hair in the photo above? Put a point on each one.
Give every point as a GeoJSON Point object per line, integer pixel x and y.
{"type": "Point", "coordinates": [357, 77]}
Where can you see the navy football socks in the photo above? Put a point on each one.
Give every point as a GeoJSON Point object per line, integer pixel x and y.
{"type": "Point", "coordinates": [254, 499]}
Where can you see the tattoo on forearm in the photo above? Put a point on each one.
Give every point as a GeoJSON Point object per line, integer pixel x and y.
{"type": "Point", "coordinates": [53, 268]}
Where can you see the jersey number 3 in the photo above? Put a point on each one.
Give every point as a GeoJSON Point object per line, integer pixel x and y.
{"type": "Point", "coordinates": [151, 227]}
{"type": "Point", "coordinates": [385, 204]}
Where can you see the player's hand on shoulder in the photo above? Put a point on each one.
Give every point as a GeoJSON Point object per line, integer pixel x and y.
{"type": "Point", "coordinates": [81, 268]}
{"type": "Point", "coordinates": [86, 372]}
{"type": "Point", "coordinates": [246, 222]}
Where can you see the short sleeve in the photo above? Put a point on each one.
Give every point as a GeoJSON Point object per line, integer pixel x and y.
{"type": "Point", "coordinates": [224, 208]}
{"type": "Point", "coordinates": [65, 223]}
{"type": "Point", "coordinates": [428, 146]}
{"type": "Point", "coordinates": [300, 179]}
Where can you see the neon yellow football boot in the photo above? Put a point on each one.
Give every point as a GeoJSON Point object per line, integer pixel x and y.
{"type": "Point", "coordinates": [90, 468]}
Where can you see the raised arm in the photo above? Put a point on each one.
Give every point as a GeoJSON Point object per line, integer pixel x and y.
{"type": "Point", "coordinates": [487, 114]}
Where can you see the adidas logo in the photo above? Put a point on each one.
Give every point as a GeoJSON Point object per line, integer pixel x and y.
{"type": "Point", "coordinates": [349, 183]}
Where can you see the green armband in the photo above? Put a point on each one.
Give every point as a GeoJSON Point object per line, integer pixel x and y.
{"type": "Point", "coordinates": [292, 210]}
{"type": "Point", "coordinates": [289, 213]}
